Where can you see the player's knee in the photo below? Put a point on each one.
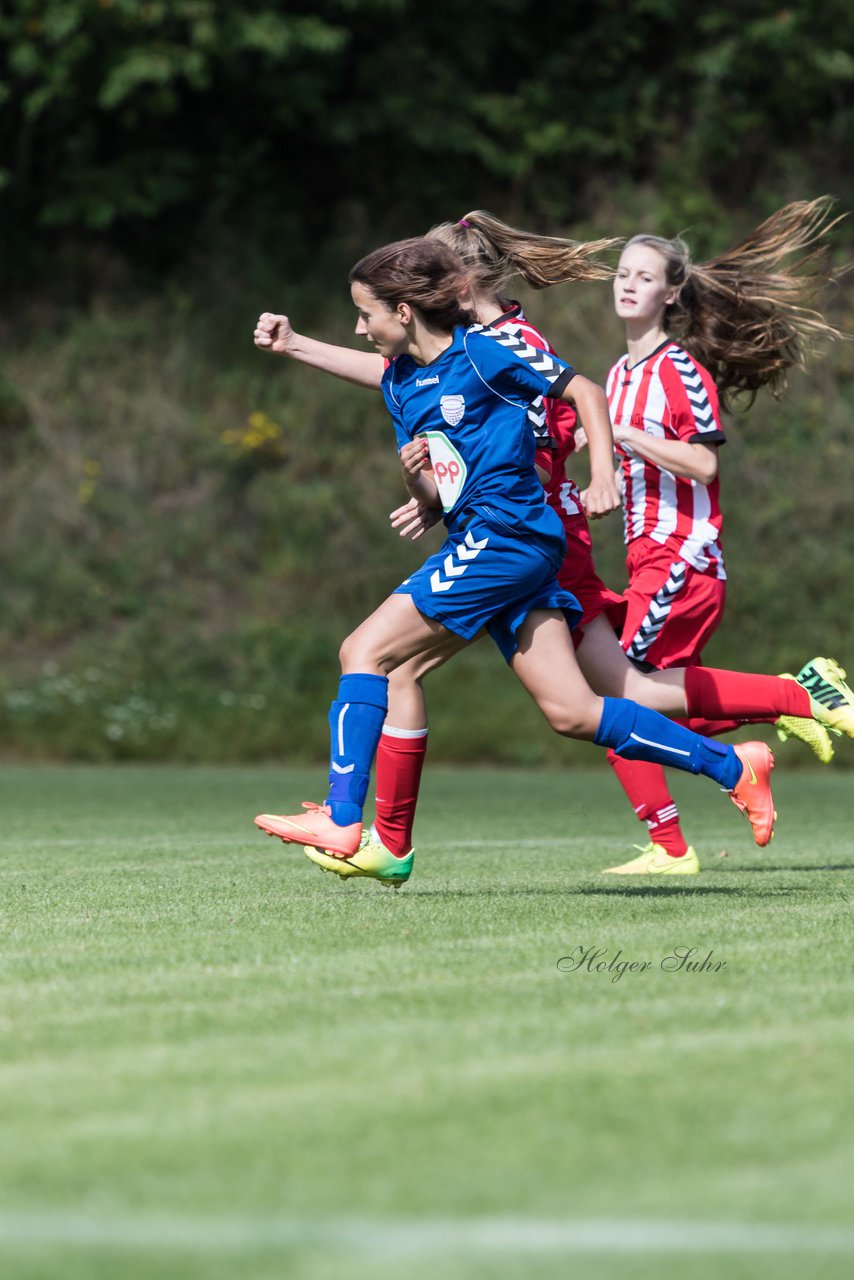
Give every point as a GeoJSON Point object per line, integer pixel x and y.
{"type": "Point", "coordinates": [362, 651]}
{"type": "Point", "coordinates": [344, 653]}
{"type": "Point", "coordinates": [356, 653]}
{"type": "Point", "coordinates": [576, 721]}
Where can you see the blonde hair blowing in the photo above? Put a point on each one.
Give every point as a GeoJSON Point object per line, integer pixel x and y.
{"type": "Point", "coordinates": [749, 314]}
{"type": "Point", "coordinates": [497, 252]}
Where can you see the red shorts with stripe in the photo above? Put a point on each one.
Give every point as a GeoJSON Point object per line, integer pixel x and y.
{"type": "Point", "coordinates": [673, 609]}
{"type": "Point", "coordinates": [578, 575]}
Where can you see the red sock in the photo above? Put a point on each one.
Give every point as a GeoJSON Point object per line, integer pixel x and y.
{"type": "Point", "coordinates": [646, 787]}
{"type": "Point", "coordinates": [712, 728]}
{"type": "Point", "coordinates": [400, 759]}
{"type": "Point", "coordinates": [720, 695]}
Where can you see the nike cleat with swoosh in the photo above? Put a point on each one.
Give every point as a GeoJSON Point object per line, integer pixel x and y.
{"type": "Point", "coordinates": [372, 859]}
{"type": "Point", "coordinates": [314, 827]}
{"type": "Point", "coordinates": [831, 700]}
{"type": "Point", "coordinates": [752, 793]}
{"type": "Point", "coordinates": [654, 860]}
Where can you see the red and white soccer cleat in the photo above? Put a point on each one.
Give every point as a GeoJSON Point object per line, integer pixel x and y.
{"type": "Point", "coordinates": [314, 827]}
{"type": "Point", "coordinates": [752, 793]}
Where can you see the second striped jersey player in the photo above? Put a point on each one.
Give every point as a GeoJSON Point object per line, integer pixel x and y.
{"type": "Point", "coordinates": [670, 396]}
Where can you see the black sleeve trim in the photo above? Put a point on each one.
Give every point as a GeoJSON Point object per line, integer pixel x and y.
{"type": "Point", "coordinates": [560, 383]}
{"type": "Point", "coordinates": [707, 437]}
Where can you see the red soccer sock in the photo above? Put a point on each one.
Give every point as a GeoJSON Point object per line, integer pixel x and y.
{"type": "Point", "coordinates": [400, 759]}
{"type": "Point", "coordinates": [721, 695]}
{"type": "Point", "coordinates": [646, 786]}
{"type": "Point", "coordinates": [713, 728]}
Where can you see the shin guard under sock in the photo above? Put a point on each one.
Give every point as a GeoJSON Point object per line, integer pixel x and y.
{"type": "Point", "coordinates": [355, 723]}
{"type": "Point", "coordinates": [400, 759]}
{"type": "Point", "coordinates": [637, 733]}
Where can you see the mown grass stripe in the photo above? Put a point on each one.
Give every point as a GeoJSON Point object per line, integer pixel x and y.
{"type": "Point", "coordinates": [414, 1237]}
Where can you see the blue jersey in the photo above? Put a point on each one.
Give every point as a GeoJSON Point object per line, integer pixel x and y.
{"type": "Point", "coordinates": [472, 404]}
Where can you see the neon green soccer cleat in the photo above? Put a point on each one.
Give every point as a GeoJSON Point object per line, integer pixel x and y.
{"type": "Point", "coordinates": [371, 859]}
{"type": "Point", "coordinates": [815, 735]}
{"type": "Point", "coordinates": [831, 700]}
{"type": "Point", "coordinates": [656, 861]}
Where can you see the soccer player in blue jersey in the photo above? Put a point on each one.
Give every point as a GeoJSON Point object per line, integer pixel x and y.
{"type": "Point", "coordinates": [459, 396]}
{"type": "Point", "coordinates": [496, 252]}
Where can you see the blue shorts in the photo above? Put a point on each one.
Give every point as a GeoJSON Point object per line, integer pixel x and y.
{"type": "Point", "coordinates": [481, 578]}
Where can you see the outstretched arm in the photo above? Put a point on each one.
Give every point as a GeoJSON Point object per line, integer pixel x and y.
{"type": "Point", "coordinates": [363, 368]}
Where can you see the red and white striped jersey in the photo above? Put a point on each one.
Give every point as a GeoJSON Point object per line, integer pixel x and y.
{"type": "Point", "coordinates": [670, 396]}
{"type": "Point", "coordinates": [556, 418]}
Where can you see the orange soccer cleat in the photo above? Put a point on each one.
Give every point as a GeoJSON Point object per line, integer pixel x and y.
{"type": "Point", "coordinates": [752, 793]}
{"type": "Point", "coordinates": [314, 827]}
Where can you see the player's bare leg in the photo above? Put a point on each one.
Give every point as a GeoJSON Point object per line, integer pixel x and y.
{"type": "Point", "coordinates": [546, 665]}
{"type": "Point", "coordinates": [393, 634]}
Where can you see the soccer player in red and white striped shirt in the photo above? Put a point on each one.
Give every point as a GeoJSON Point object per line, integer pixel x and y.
{"type": "Point", "coordinates": [666, 422]}
{"type": "Point", "coordinates": [670, 398]}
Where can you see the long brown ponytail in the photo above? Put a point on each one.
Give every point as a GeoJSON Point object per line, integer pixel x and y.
{"type": "Point", "coordinates": [749, 314]}
{"type": "Point", "coordinates": [497, 252]}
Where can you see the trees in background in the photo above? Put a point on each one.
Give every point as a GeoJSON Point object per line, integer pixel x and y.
{"type": "Point", "coordinates": [155, 123]}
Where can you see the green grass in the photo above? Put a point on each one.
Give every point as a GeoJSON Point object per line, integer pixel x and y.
{"type": "Point", "coordinates": [217, 1061]}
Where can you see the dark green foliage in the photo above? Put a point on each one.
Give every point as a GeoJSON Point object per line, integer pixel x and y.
{"type": "Point", "coordinates": [164, 123]}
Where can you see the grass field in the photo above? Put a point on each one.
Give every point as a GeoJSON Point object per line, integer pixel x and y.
{"type": "Point", "coordinates": [218, 1062]}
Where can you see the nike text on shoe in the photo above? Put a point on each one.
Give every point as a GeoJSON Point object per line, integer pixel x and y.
{"type": "Point", "coordinates": [654, 860]}
{"type": "Point", "coordinates": [816, 736]}
{"type": "Point", "coordinates": [371, 859]}
{"type": "Point", "coordinates": [831, 700]}
{"type": "Point", "coordinates": [752, 793]}
{"type": "Point", "coordinates": [314, 827]}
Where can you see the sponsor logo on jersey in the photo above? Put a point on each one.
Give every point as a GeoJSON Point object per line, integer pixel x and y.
{"type": "Point", "coordinates": [427, 382]}
{"type": "Point", "coordinates": [449, 469]}
{"type": "Point", "coordinates": [453, 408]}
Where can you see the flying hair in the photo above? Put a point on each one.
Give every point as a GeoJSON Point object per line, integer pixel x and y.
{"type": "Point", "coordinates": [497, 252]}
{"type": "Point", "coordinates": [424, 273]}
{"type": "Point", "coordinates": [749, 315]}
